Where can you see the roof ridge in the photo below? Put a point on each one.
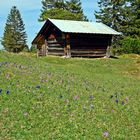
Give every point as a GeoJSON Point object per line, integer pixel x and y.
{"type": "Point", "coordinates": [69, 20]}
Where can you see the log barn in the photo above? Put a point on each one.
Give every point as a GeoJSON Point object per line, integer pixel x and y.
{"type": "Point", "coordinates": [73, 38]}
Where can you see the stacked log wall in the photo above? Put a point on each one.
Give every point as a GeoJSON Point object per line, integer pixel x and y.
{"type": "Point", "coordinates": [55, 45]}
{"type": "Point", "coordinates": [89, 45]}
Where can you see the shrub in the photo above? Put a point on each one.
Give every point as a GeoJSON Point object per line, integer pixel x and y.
{"type": "Point", "coordinates": [33, 49]}
{"type": "Point", "coordinates": [130, 45]}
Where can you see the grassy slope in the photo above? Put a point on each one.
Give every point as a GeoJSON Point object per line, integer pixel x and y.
{"type": "Point", "coordinates": [55, 98]}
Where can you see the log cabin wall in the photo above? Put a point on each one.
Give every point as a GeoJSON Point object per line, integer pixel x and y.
{"type": "Point", "coordinates": [86, 45]}
{"type": "Point", "coordinates": [51, 42]}
{"type": "Point", "coordinates": [41, 47]}
{"type": "Point", "coordinates": [55, 43]}
{"type": "Point", "coordinates": [74, 38]}
{"type": "Point", "coordinates": [80, 45]}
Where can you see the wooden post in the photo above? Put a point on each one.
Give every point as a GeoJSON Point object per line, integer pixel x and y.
{"type": "Point", "coordinates": [108, 52]}
{"type": "Point", "coordinates": [37, 51]}
{"type": "Point", "coordinates": [46, 46]}
{"type": "Point", "coordinates": [64, 44]}
{"type": "Point", "coordinates": [68, 47]}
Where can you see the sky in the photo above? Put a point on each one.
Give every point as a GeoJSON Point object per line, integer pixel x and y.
{"type": "Point", "coordinates": [30, 11]}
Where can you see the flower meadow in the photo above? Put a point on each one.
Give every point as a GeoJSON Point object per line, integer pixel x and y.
{"type": "Point", "coordinates": [77, 98]}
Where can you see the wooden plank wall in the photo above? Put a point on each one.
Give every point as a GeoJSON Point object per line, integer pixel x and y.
{"type": "Point", "coordinates": [89, 45]}
{"type": "Point", "coordinates": [55, 47]}
{"type": "Point", "coordinates": [54, 42]}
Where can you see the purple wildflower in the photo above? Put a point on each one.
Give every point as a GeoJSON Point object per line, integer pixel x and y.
{"type": "Point", "coordinates": [117, 101]}
{"type": "Point", "coordinates": [123, 102]}
{"type": "Point", "coordinates": [127, 99]}
{"type": "Point", "coordinates": [105, 134]}
{"type": "Point", "coordinates": [0, 90]}
{"type": "Point", "coordinates": [37, 86]}
{"type": "Point", "coordinates": [4, 63]}
{"type": "Point", "coordinates": [113, 110]}
{"type": "Point", "coordinates": [91, 97]}
{"type": "Point", "coordinates": [7, 92]}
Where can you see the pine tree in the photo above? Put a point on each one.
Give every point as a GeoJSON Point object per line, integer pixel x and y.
{"type": "Point", "coordinates": [110, 13]}
{"type": "Point", "coordinates": [134, 22]}
{"type": "Point", "coordinates": [74, 6]}
{"type": "Point", "coordinates": [123, 16]}
{"type": "Point", "coordinates": [62, 9]}
{"type": "Point", "coordinates": [33, 49]}
{"type": "Point", "coordinates": [47, 5]}
{"type": "Point", "coordinates": [131, 40]}
{"type": "Point", "coordinates": [14, 37]}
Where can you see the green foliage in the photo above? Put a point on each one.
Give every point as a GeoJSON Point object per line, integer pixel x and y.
{"type": "Point", "coordinates": [14, 37]}
{"type": "Point", "coordinates": [56, 98]}
{"type": "Point", "coordinates": [134, 22]}
{"type": "Point", "coordinates": [55, 14]}
{"type": "Point", "coordinates": [110, 13]}
{"type": "Point", "coordinates": [69, 10]}
{"type": "Point", "coordinates": [26, 49]}
{"type": "Point", "coordinates": [74, 6]}
{"type": "Point", "coordinates": [131, 45]}
{"type": "Point", "coordinates": [123, 16]}
{"type": "Point", "coordinates": [33, 49]}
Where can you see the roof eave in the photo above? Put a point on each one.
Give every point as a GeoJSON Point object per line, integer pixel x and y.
{"type": "Point", "coordinates": [39, 33]}
{"type": "Point", "coordinates": [116, 34]}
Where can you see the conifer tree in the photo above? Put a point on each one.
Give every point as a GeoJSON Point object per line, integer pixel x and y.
{"type": "Point", "coordinates": [33, 49]}
{"type": "Point", "coordinates": [14, 37]}
{"type": "Point", "coordinates": [74, 6]}
{"type": "Point", "coordinates": [47, 5]}
{"type": "Point", "coordinates": [110, 13]}
{"type": "Point", "coordinates": [123, 16]}
{"type": "Point", "coordinates": [62, 9]}
{"type": "Point", "coordinates": [131, 40]}
{"type": "Point", "coordinates": [134, 22]}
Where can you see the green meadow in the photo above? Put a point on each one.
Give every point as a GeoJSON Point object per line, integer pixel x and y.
{"type": "Point", "coordinates": [69, 99]}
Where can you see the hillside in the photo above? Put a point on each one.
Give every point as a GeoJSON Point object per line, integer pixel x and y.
{"type": "Point", "coordinates": [56, 98]}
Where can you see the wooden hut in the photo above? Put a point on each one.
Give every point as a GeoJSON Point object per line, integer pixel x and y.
{"type": "Point", "coordinates": [73, 38]}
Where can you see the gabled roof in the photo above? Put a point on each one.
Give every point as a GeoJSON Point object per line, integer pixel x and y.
{"type": "Point", "coordinates": [83, 27]}
{"type": "Point", "coordinates": [70, 26]}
